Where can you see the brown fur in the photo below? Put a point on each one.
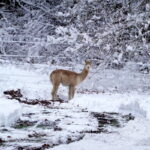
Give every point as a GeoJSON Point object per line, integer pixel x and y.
{"type": "Point", "coordinates": [68, 78]}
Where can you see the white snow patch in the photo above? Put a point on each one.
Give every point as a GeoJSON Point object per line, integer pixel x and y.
{"type": "Point", "coordinates": [114, 102]}
{"type": "Point", "coordinates": [133, 108]}
{"type": "Point", "coordinates": [10, 111]}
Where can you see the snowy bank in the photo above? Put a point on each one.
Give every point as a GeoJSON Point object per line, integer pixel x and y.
{"type": "Point", "coordinates": [134, 103]}
{"type": "Point", "coordinates": [10, 111]}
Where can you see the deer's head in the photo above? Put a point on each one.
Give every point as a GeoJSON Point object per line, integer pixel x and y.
{"type": "Point", "coordinates": [87, 65]}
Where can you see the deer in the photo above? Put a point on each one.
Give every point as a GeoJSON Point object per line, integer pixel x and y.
{"type": "Point", "coordinates": [68, 78]}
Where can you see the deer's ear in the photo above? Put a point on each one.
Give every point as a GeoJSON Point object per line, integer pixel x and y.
{"type": "Point", "coordinates": [88, 62]}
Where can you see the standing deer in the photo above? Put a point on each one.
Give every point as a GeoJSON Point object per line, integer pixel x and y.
{"type": "Point", "coordinates": [68, 78]}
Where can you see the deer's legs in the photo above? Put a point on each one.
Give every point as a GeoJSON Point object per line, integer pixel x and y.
{"type": "Point", "coordinates": [71, 92]}
{"type": "Point", "coordinates": [54, 92]}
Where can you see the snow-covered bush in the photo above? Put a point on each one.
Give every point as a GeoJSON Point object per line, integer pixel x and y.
{"type": "Point", "coordinates": [66, 31]}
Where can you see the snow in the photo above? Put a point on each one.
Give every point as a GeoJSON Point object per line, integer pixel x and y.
{"type": "Point", "coordinates": [10, 112]}
{"type": "Point", "coordinates": [34, 84]}
{"type": "Point", "coordinates": [114, 102]}
{"type": "Point", "coordinates": [104, 142]}
{"type": "Point", "coordinates": [135, 109]}
{"type": "Point", "coordinates": [135, 135]}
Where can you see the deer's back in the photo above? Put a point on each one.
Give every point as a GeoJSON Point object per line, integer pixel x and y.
{"type": "Point", "coordinates": [64, 76]}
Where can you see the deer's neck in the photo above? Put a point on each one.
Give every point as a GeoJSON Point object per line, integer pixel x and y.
{"type": "Point", "coordinates": [83, 74]}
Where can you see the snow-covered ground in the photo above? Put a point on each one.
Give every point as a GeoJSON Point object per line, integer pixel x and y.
{"type": "Point", "coordinates": [134, 136]}
{"type": "Point", "coordinates": [109, 91]}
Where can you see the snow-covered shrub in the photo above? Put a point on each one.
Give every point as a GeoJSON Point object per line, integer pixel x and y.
{"type": "Point", "coordinates": [69, 31]}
